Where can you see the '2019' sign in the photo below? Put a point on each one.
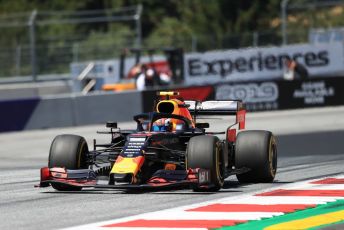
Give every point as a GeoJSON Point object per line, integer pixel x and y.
{"type": "Point", "coordinates": [249, 93]}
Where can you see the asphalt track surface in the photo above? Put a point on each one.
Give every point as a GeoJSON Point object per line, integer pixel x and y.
{"type": "Point", "coordinates": [310, 145]}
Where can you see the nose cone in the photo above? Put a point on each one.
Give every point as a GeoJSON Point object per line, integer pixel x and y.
{"type": "Point", "coordinates": [124, 165]}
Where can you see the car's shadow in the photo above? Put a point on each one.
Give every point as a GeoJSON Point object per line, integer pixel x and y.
{"type": "Point", "coordinates": [231, 186]}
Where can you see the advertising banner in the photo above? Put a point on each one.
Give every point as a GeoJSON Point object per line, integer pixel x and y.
{"type": "Point", "coordinates": [312, 93]}
{"type": "Point", "coordinates": [262, 63]}
{"type": "Point", "coordinates": [263, 95]}
{"type": "Point", "coordinates": [273, 95]}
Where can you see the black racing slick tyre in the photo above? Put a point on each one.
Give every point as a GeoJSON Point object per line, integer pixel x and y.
{"type": "Point", "coordinates": [205, 152]}
{"type": "Point", "coordinates": [69, 151]}
{"type": "Point", "coordinates": [257, 151]}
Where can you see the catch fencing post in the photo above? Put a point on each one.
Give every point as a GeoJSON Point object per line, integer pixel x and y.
{"type": "Point", "coordinates": [137, 18]}
{"type": "Point", "coordinates": [32, 29]}
{"type": "Point", "coordinates": [284, 4]}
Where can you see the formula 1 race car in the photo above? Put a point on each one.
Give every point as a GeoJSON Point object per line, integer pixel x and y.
{"type": "Point", "coordinates": [168, 148]}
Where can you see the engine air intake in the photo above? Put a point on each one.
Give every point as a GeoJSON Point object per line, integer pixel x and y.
{"type": "Point", "coordinates": [165, 107]}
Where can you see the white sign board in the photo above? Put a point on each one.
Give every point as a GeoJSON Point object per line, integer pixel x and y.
{"type": "Point", "coordinates": [262, 63]}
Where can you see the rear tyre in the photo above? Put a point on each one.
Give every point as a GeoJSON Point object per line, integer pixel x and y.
{"type": "Point", "coordinates": [69, 151]}
{"type": "Point", "coordinates": [205, 152]}
{"type": "Point", "coordinates": [257, 151]}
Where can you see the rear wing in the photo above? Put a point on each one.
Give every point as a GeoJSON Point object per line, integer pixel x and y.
{"type": "Point", "coordinates": [224, 108]}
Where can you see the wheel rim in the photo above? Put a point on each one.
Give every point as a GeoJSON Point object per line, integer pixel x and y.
{"type": "Point", "coordinates": [273, 157]}
{"type": "Point", "coordinates": [218, 163]}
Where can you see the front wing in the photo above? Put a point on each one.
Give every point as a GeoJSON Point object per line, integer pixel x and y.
{"type": "Point", "coordinates": [87, 178]}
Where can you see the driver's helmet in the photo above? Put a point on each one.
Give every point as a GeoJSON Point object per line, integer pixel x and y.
{"type": "Point", "coordinates": [163, 124]}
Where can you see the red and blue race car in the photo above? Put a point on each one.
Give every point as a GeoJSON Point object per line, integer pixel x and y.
{"type": "Point", "coordinates": [169, 148]}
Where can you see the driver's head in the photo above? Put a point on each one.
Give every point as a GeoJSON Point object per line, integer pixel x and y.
{"type": "Point", "coordinates": [163, 124]}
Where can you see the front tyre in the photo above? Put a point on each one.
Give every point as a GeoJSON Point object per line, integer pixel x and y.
{"type": "Point", "coordinates": [70, 152]}
{"type": "Point", "coordinates": [257, 151]}
{"type": "Point", "coordinates": [205, 152]}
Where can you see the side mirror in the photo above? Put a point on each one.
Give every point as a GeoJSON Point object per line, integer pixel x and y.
{"type": "Point", "coordinates": [202, 125]}
{"type": "Point", "coordinates": [111, 124]}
